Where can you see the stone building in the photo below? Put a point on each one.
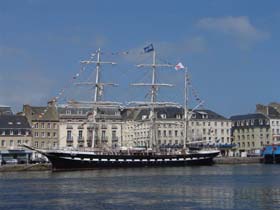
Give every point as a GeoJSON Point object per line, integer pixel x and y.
{"type": "Point", "coordinates": [76, 127]}
{"type": "Point", "coordinates": [205, 126]}
{"type": "Point", "coordinates": [44, 121]}
{"type": "Point", "coordinates": [14, 131]}
{"type": "Point", "coordinates": [272, 111]}
{"type": "Point", "coordinates": [251, 132]}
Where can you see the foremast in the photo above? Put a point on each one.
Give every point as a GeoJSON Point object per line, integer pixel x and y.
{"type": "Point", "coordinates": [98, 88]}
{"type": "Point", "coordinates": [154, 86]}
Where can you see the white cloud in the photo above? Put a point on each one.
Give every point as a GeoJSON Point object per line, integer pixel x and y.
{"type": "Point", "coordinates": [240, 28]}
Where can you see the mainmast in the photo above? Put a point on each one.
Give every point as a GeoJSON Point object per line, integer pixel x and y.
{"type": "Point", "coordinates": [153, 91]}
{"type": "Point", "coordinates": [99, 86]}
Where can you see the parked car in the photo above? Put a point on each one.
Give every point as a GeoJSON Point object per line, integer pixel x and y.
{"type": "Point", "coordinates": [39, 160]}
{"type": "Point", "coordinates": [10, 161]}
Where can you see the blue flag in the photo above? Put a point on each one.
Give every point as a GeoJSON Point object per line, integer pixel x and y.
{"type": "Point", "coordinates": [149, 48]}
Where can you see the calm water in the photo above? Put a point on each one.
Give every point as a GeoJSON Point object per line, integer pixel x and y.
{"type": "Point", "coordinates": [215, 187]}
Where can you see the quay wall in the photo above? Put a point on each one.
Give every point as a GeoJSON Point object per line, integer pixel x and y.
{"type": "Point", "coordinates": [25, 167]}
{"type": "Point", "coordinates": [237, 160]}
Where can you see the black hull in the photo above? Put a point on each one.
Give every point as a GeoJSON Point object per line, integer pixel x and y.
{"type": "Point", "coordinates": [63, 162]}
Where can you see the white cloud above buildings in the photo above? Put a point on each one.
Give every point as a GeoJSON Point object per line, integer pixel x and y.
{"type": "Point", "coordinates": [240, 28]}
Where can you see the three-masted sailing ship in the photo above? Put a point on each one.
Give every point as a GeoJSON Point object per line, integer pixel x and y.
{"type": "Point", "coordinates": [151, 155]}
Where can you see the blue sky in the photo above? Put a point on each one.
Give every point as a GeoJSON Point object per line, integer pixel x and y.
{"type": "Point", "coordinates": [230, 47]}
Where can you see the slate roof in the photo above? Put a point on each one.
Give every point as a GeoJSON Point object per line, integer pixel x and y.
{"type": "Point", "coordinates": [5, 110]}
{"type": "Point", "coordinates": [171, 112]}
{"type": "Point", "coordinates": [248, 117]}
{"type": "Point", "coordinates": [38, 113]}
{"type": "Point", "coordinates": [13, 121]}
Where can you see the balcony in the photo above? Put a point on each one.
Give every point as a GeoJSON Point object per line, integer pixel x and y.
{"type": "Point", "coordinates": [69, 139]}
{"type": "Point", "coordinates": [115, 139]}
{"type": "Point", "coordinates": [81, 139]}
{"type": "Point", "coordinates": [104, 139]}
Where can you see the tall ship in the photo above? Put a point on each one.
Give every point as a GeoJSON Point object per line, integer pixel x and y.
{"type": "Point", "coordinates": [150, 153]}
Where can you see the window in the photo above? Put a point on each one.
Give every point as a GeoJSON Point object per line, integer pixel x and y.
{"type": "Point", "coordinates": [36, 134]}
{"type": "Point", "coordinates": [36, 125]}
{"type": "Point", "coordinates": [19, 142]}
{"type": "Point", "coordinates": [49, 134]}
{"type": "Point", "coordinates": [204, 131]}
{"type": "Point", "coordinates": [42, 125]}
{"type": "Point", "coordinates": [159, 133]}
{"type": "Point", "coordinates": [43, 134]}
{"type": "Point", "coordinates": [170, 133]}
{"type": "Point", "coordinates": [69, 135]}
{"type": "Point", "coordinates": [103, 136]}
{"type": "Point", "coordinates": [68, 111]}
{"type": "Point", "coordinates": [80, 135]}
{"type": "Point", "coordinates": [176, 133]}
{"type": "Point", "coordinates": [54, 125]}
{"type": "Point", "coordinates": [49, 125]}
{"type": "Point", "coordinates": [54, 134]}
{"type": "Point", "coordinates": [3, 143]}
{"type": "Point", "coordinates": [3, 133]}
{"type": "Point", "coordinates": [11, 143]}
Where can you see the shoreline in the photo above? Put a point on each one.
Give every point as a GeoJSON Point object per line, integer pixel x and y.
{"type": "Point", "coordinates": [25, 167]}
{"type": "Point", "coordinates": [237, 160]}
{"type": "Point", "coordinates": [47, 166]}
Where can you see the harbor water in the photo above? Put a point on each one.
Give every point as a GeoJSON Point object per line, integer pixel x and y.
{"type": "Point", "coordinates": [233, 187]}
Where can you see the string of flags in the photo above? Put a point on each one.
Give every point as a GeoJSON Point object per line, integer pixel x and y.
{"type": "Point", "coordinates": [70, 82]}
{"type": "Point", "coordinates": [149, 48]}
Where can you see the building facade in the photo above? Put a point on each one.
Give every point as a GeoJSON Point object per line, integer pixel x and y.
{"type": "Point", "coordinates": [205, 126]}
{"type": "Point", "coordinates": [78, 129]}
{"type": "Point", "coordinates": [14, 131]}
{"type": "Point", "coordinates": [44, 122]}
{"type": "Point", "coordinates": [251, 132]}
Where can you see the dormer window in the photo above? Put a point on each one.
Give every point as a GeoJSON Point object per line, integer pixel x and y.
{"type": "Point", "coordinates": [144, 117]}
{"type": "Point", "coordinates": [80, 112]}
{"type": "Point", "coordinates": [261, 122]}
{"type": "Point", "coordinates": [193, 116]}
{"type": "Point", "coordinates": [3, 133]}
{"type": "Point", "coordinates": [163, 116]}
{"type": "Point", "coordinates": [18, 123]}
{"type": "Point", "coordinates": [10, 123]}
{"type": "Point", "coordinates": [178, 116]}
{"type": "Point", "coordinates": [68, 111]}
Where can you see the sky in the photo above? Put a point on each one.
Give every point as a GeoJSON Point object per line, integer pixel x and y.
{"type": "Point", "coordinates": [230, 47]}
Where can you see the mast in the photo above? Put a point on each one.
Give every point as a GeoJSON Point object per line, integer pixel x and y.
{"type": "Point", "coordinates": [153, 91]}
{"type": "Point", "coordinates": [186, 111]}
{"type": "Point", "coordinates": [98, 90]}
